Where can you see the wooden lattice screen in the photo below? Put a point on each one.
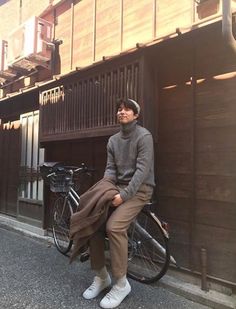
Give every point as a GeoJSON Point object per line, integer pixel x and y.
{"type": "Point", "coordinates": [86, 105]}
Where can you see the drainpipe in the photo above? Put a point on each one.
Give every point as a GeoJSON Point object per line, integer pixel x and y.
{"type": "Point", "coordinates": [227, 25]}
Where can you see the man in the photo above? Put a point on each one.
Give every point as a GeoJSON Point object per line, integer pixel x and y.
{"type": "Point", "coordinates": [130, 164]}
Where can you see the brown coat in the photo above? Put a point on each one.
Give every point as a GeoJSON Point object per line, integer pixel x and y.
{"type": "Point", "coordinates": [93, 210]}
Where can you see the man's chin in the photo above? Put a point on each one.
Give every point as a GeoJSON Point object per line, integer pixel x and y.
{"type": "Point", "coordinates": [123, 121]}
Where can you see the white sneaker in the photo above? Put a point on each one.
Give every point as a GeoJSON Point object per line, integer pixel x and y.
{"type": "Point", "coordinates": [115, 296]}
{"type": "Point", "coordinates": [97, 287]}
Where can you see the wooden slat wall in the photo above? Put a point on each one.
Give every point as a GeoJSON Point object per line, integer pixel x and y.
{"type": "Point", "coordinates": [216, 173]}
{"type": "Point", "coordinates": [174, 166]}
{"type": "Point", "coordinates": [97, 29]}
{"type": "Point", "coordinates": [91, 29]}
{"type": "Point", "coordinates": [196, 163]}
{"type": "Point", "coordinates": [85, 106]}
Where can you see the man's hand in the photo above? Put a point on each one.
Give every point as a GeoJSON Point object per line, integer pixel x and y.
{"type": "Point", "coordinates": [117, 200]}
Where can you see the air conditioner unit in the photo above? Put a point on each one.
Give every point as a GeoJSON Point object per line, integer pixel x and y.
{"type": "Point", "coordinates": [3, 55]}
{"type": "Point", "coordinates": [30, 41]}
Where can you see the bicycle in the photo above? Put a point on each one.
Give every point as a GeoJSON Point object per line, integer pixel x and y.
{"type": "Point", "coordinates": [60, 179]}
{"type": "Point", "coordinates": [148, 250]}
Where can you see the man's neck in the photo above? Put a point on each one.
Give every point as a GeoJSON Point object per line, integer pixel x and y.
{"type": "Point", "coordinates": [127, 128]}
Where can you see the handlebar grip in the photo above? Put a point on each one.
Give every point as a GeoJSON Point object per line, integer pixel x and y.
{"type": "Point", "coordinates": [51, 174]}
{"type": "Point", "coordinates": [83, 168]}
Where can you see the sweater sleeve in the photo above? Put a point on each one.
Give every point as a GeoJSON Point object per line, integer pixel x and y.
{"type": "Point", "coordinates": [110, 170]}
{"type": "Point", "coordinates": [144, 163]}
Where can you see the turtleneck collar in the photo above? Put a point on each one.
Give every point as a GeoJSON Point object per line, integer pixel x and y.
{"type": "Point", "coordinates": [127, 129]}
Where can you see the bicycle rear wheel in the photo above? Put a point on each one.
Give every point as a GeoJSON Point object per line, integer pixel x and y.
{"type": "Point", "coordinates": [149, 255]}
{"type": "Point", "coordinates": [62, 212]}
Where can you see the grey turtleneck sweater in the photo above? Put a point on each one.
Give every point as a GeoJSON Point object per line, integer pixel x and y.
{"type": "Point", "coordinates": [130, 159]}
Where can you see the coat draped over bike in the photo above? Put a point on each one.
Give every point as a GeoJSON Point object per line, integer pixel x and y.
{"type": "Point", "coordinates": [92, 213]}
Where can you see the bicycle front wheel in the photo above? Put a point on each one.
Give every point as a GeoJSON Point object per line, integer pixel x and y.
{"type": "Point", "coordinates": [62, 212]}
{"type": "Point", "coordinates": [149, 254]}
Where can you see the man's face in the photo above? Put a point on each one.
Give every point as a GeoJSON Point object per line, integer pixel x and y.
{"type": "Point", "coordinates": [125, 114]}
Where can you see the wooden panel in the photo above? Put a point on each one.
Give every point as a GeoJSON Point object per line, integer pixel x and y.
{"type": "Point", "coordinates": [3, 167]}
{"type": "Point", "coordinates": [107, 28]}
{"type": "Point", "coordinates": [179, 242]}
{"type": "Point", "coordinates": [174, 162]}
{"type": "Point", "coordinates": [216, 213]}
{"type": "Point", "coordinates": [213, 56]}
{"type": "Point", "coordinates": [30, 8]}
{"type": "Point", "coordinates": [175, 185]}
{"type": "Point", "coordinates": [83, 33]}
{"type": "Point", "coordinates": [9, 18]}
{"type": "Point", "coordinates": [137, 26]}
{"type": "Point", "coordinates": [172, 14]}
{"type": "Point", "coordinates": [30, 212]}
{"type": "Point", "coordinates": [218, 188]}
{"type": "Point", "coordinates": [214, 108]}
{"type": "Point", "coordinates": [215, 139]}
{"type": "Point", "coordinates": [196, 162]}
{"type": "Point", "coordinates": [10, 161]}
{"type": "Point", "coordinates": [175, 63]}
{"type": "Point", "coordinates": [216, 163]}
{"type": "Point", "coordinates": [221, 250]}
{"type": "Point", "coordinates": [172, 208]}
{"type": "Point", "coordinates": [63, 32]}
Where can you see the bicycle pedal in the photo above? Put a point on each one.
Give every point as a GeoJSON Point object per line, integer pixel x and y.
{"type": "Point", "coordinates": [84, 257]}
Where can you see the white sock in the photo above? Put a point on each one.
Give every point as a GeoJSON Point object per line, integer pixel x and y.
{"type": "Point", "coordinates": [121, 282]}
{"type": "Point", "coordinates": [102, 273]}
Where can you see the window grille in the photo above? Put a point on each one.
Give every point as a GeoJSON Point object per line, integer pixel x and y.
{"type": "Point", "coordinates": [87, 103]}
{"type": "Point", "coordinates": [31, 185]}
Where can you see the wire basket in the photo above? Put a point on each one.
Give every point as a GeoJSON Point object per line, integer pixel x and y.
{"type": "Point", "coordinates": [61, 182]}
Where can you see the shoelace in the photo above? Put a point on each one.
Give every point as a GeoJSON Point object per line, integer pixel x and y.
{"type": "Point", "coordinates": [93, 286]}
{"type": "Point", "coordinates": [112, 292]}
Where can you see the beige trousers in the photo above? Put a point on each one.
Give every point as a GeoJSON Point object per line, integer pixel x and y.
{"type": "Point", "coordinates": [116, 229]}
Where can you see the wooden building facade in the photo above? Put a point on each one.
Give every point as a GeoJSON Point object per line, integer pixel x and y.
{"type": "Point", "coordinates": [174, 62]}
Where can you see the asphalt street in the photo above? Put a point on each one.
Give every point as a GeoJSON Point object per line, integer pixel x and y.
{"type": "Point", "coordinates": [34, 275]}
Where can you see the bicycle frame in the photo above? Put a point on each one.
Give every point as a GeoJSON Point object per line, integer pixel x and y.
{"type": "Point", "coordinates": [146, 234]}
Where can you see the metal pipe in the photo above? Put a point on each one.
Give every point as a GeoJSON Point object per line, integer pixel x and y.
{"type": "Point", "coordinates": [227, 25]}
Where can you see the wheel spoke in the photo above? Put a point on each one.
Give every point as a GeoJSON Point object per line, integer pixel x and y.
{"type": "Point", "coordinates": [61, 224]}
{"type": "Point", "coordinates": [148, 250]}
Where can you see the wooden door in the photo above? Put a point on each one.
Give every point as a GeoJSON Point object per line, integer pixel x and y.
{"type": "Point", "coordinates": [9, 166]}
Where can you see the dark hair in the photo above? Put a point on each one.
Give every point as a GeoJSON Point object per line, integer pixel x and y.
{"type": "Point", "coordinates": [127, 103]}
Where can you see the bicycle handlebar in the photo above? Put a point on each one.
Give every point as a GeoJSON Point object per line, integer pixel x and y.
{"type": "Point", "coordinates": [71, 169]}
{"type": "Point", "coordinates": [84, 169]}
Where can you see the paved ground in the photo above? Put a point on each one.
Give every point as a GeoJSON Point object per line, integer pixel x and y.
{"type": "Point", "coordinates": [35, 276]}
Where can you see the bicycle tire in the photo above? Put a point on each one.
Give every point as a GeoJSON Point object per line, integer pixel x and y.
{"type": "Point", "coordinates": [148, 252]}
{"type": "Point", "coordinates": [62, 212]}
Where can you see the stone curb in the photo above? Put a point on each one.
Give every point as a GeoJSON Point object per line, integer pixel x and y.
{"type": "Point", "coordinates": [211, 298]}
